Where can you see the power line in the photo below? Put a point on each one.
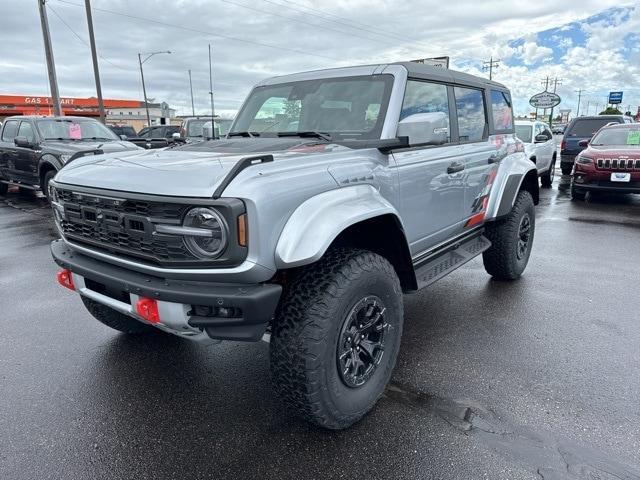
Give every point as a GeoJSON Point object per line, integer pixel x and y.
{"type": "Point", "coordinates": [203, 32]}
{"type": "Point", "coordinates": [297, 20]}
{"type": "Point", "coordinates": [83, 40]}
{"type": "Point", "coordinates": [345, 21]}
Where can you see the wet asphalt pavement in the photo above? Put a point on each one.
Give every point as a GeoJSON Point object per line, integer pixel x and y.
{"type": "Point", "coordinates": [539, 378]}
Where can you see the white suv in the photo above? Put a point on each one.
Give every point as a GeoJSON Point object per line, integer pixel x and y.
{"type": "Point", "coordinates": [540, 148]}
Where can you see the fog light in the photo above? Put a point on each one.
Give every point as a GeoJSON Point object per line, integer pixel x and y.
{"type": "Point", "coordinates": [147, 308]}
{"type": "Point", "coordinates": [66, 279]}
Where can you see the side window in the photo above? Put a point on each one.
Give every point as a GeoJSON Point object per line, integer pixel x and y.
{"type": "Point", "coordinates": [425, 97]}
{"type": "Point", "coordinates": [501, 109]}
{"type": "Point", "coordinates": [472, 119]}
{"type": "Point", "coordinates": [10, 130]}
{"type": "Point", "coordinates": [26, 130]}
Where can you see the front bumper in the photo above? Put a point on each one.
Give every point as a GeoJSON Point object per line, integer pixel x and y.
{"type": "Point", "coordinates": [120, 288]}
{"type": "Point", "coordinates": [612, 187]}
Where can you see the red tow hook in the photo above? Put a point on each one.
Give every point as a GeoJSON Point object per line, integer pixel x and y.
{"type": "Point", "coordinates": [147, 308]}
{"type": "Point", "coordinates": [66, 279]}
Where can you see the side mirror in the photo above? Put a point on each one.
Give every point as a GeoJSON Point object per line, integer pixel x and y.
{"type": "Point", "coordinates": [584, 143]}
{"type": "Point", "coordinates": [23, 142]}
{"type": "Point", "coordinates": [123, 137]}
{"type": "Point", "coordinates": [425, 128]}
{"type": "Point", "coordinates": [541, 138]}
{"type": "Point", "coordinates": [176, 136]}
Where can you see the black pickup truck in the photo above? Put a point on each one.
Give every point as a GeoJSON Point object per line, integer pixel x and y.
{"type": "Point", "coordinates": [34, 148]}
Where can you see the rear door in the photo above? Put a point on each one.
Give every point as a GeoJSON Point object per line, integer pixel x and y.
{"type": "Point", "coordinates": [548, 147]}
{"type": "Point", "coordinates": [479, 153]}
{"type": "Point", "coordinates": [431, 176]}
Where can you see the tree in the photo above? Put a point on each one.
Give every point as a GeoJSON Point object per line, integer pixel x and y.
{"type": "Point", "coordinates": [611, 111]}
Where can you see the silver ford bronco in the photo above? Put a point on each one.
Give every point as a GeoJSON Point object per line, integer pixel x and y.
{"type": "Point", "coordinates": [334, 192]}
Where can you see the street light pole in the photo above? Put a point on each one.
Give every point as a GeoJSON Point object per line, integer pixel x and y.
{"type": "Point", "coordinates": [193, 110]}
{"type": "Point", "coordinates": [144, 88]}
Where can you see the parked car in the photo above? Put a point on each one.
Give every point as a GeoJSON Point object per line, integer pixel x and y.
{"type": "Point", "coordinates": [540, 147]}
{"type": "Point", "coordinates": [34, 148]}
{"type": "Point", "coordinates": [397, 175]}
{"type": "Point", "coordinates": [558, 129]}
{"type": "Point", "coordinates": [159, 131]}
{"type": "Point", "coordinates": [610, 162]}
{"type": "Point", "coordinates": [583, 128]}
{"type": "Point", "coordinates": [125, 132]}
{"type": "Point", "coordinates": [192, 128]}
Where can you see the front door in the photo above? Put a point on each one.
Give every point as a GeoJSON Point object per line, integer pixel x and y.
{"type": "Point", "coordinates": [26, 161]}
{"type": "Point", "coordinates": [431, 178]}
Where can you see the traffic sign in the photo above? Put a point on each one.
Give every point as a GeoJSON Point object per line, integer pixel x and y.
{"type": "Point", "coordinates": [615, 97]}
{"type": "Point", "coordinates": [545, 100]}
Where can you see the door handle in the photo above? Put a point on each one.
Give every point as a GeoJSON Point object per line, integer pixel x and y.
{"type": "Point", "coordinates": [455, 167]}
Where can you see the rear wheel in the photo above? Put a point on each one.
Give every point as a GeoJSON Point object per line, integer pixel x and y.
{"type": "Point", "coordinates": [511, 240]}
{"type": "Point", "coordinates": [566, 169]}
{"type": "Point", "coordinates": [336, 337]}
{"type": "Point", "coordinates": [546, 179]}
{"type": "Point", "coordinates": [116, 320]}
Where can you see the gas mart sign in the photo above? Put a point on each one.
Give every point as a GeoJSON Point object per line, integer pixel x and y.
{"type": "Point", "coordinates": [545, 100]}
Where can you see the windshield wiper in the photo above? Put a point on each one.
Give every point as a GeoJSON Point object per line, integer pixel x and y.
{"type": "Point", "coordinates": [243, 134]}
{"type": "Point", "coordinates": [305, 134]}
{"type": "Point", "coordinates": [60, 138]}
{"type": "Point", "coordinates": [96, 138]}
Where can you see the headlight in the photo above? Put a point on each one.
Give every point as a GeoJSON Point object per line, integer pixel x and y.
{"type": "Point", "coordinates": [64, 158]}
{"type": "Point", "coordinates": [582, 160]}
{"type": "Point", "coordinates": [209, 235]}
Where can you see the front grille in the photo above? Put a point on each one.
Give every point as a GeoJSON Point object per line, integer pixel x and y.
{"type": "Point", "coordinates": [123, 226]}
{"type": "Point", "coordinates": [617, 164]}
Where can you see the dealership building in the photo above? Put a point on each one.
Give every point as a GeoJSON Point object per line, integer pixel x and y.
{"type": "Point", "coordinates": [119, 112]}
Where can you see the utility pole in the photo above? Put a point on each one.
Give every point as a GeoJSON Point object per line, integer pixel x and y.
{"type": "Point", "coordinates": [545, 82]}
{"type": "Point", "coordinates": [51, 66]}
{"type": "Point", "coordinates": [213, 111]}
{"type": "Point", "coordinates": [193, 110]}
{"type": "Point", "coordinates": [579, 92]}
{"type": "Point", "coordinates": [94, 57]}
{"type": "Point", "coordinates": [588, 102]}
{"type": "Point", "coordinates": [557, 81]}
{"type": "Point", "coordinates": [490, 65]}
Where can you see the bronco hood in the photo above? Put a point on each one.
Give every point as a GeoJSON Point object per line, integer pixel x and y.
{"type": "Point", "coordinates": [192, 171]}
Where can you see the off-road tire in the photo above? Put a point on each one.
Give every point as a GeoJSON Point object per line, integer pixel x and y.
{"type": "Point", "coordinates": [546, 179]}
{"type": "Point", "coordinates": [566, 169]}
{"type": "Point", "coordinates": [501, 260]}
{"type": "Point", "coordinates": [308, 326]}
{"type": "Point", "coordinates": [577, 194]}
{"type": "Point", "coordinates": [116, 320]}
{"type": "Point", "coordinates": [45, 182]}
{"type": "Point", "coordinates": [4, 188]}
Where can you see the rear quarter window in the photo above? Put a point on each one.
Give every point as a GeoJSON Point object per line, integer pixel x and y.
{"type": "Point", "coordinates": [501, 110]}
{"type": "Point", "coordinates": [586, 127]}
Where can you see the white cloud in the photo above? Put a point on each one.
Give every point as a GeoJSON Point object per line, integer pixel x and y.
{"type": "Point", "coordinates": [533, 53]}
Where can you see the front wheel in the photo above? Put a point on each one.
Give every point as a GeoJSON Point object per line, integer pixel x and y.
{"type": "Point", "coordinates": [511, 240]}
{"type": "Point", "coordinates": [4, 188]}
{"type": "Point", "coordinates": [577, 194]}
{"type": "Point", "coordinates": [45, 182]}
{"type": "Point", "coordinates": [336, 337]}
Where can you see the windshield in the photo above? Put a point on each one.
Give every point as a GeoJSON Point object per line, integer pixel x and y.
{"type": "Point", "coordinates": [74, 129]}
{"type": "Point", "coordinates": [587, 127]}
{"type": "Point", "coordinates": [195, 128]}
{"type": "Point", "coordinates": [347, 108]}
{"type": "Point", "coordinates": [617, 136]}
{"type": "Point", "coordinates": [524, 132]}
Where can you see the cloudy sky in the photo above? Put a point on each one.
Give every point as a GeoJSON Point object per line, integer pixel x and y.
{"type": "Point", "coordinates": [593, 45]}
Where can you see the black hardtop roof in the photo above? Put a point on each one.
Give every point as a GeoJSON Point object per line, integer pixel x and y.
{"type": "Point", "coordinates": [591, 117]}
{"type": "Point", "coordinates": [421, 70]}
